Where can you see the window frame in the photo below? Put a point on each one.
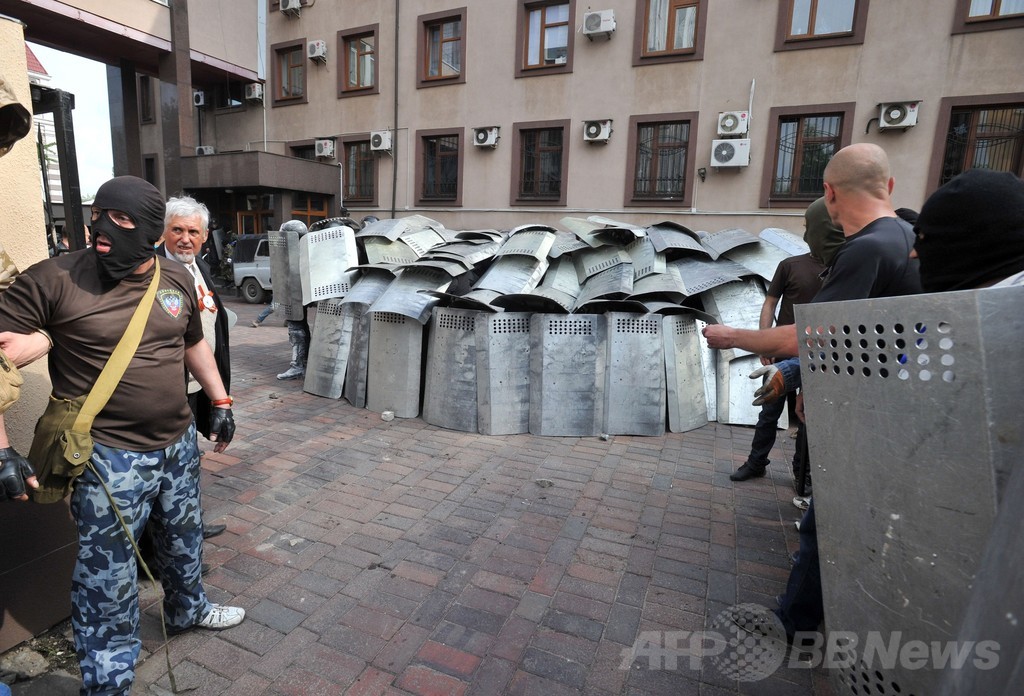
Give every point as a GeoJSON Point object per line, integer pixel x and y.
{"type": "Point", "coordinates": [522, 19]}
{"type": "Point", "coordinates": [347, 141]}
{"type": "Point", "coordinates": [963, 24]}
{"type": "Point", "coordinates": [775, 115]}
{"type": "Point", "coordinates": [308, 214]}
{"type": "Point", "coordinates": [343, 37]}
{"type": "Point", "coordinates": [277, 50]}
{"type": "Point", "coordinates": [147, 102]}
{"type": "Point", "coordinates": [421, 136]}
{"type": "Point", "coordinates": [668, 56]}
{"type": "Point", "coordinates": [425, 22]}
{"type": "Point", "coordinates": [946, 107]}
{"type": "Point", "coordinates": [689, 166]}
{"type": "Point", "coordinates": [517, 162]}
{"type": "Point", "coordinates": [854, 37]}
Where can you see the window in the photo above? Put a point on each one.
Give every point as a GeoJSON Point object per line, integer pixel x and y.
{"type": "Point", "coordinates": [360, 171]}
{"type": "Point", "coordinates": [981, 135]}
{"type": "Point", "coordinates": [442, 48]}
{"type": "Point", "coordinates": [439, 174]}
{"type": "Point", "coordinates": [540, 164]}
{"type": "Point", "coordinates": [308, 208]}
{"type": "Point", "coordinates": [305, 151]}
{"type": "Point", "coordinates": [805, 140]}
{"type": "Point", "coordinates": [671, 30]}
{"type": "Point", "coordinates": [987, 15]}
{"type": "Point", "coordinates": [660, 165]}
{"type": "Point", "coordinates": [820, 23]}
{"type": "Point", "coordinates": [149, 171]}
{"type": "Point", "coordinates": [544, 36]}
{"type": "Point", "coordinates": [146, 112]}
{"type": "Point", "coordinates": [290, 73]}
{"type": "Point", "coordinates": [230, 95]}
{"type": "Point", "coordinates": [357, 74]}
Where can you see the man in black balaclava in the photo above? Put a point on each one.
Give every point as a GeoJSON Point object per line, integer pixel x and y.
{"type": "Point", "coordinates": [145, 449]}
{"type": "Point", "coordinates": [970, 232]}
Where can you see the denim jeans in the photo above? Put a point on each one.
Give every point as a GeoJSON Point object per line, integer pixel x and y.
{"type": "Point", "coordinates": [802, 607]}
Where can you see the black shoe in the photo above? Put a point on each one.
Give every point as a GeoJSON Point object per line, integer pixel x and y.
{"type": "Point", "coordinates": [212, 530]}
{"type": "Point", "coordinates": [779, 598]}
{"type": "Point", "coordinates": [748, 471]}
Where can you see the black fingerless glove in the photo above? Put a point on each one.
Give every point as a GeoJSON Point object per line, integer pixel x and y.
{"type": "Point", "coordinates": [14, 469]}
{"type": "Point", "coordinates": [222, 424]}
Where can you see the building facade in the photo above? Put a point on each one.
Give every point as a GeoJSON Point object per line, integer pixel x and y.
{"type": "Point", "coordinates": [711, 114]}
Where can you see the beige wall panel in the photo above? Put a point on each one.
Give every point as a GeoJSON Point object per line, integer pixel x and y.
{"type": "Point", "coordinates": [225, 29]}
{"type": "Point", "coordinates": [150, 17]}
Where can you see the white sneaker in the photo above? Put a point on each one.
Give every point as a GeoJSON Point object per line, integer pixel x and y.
{"type": "Point", "coordinates": [802, 502]}
{"type": "Point", "coordinates": [292, 373]}
{"type": "Point", "coordinates": [221, 617]}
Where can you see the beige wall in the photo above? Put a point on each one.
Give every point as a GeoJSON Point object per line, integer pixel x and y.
{"type": "Point", "coordinates": [225, 30]}
{"type": "Point", "coordinates": [894, 63]}
{"type": "Point", "coordinates": [22, 224]}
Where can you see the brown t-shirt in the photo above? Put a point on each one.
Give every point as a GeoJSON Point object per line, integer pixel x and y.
{"type": "Point", "coordinates": [86, 319]}
{"type": "Point", "coordinates": [796, 281]}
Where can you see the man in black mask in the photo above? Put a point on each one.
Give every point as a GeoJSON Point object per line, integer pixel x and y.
{"type": "Point", "coordinates": [145, 449]}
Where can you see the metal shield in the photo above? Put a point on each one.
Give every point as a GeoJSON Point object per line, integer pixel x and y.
{"type": "Point", "coordinates": [685, 390]}
{"type": "Point", "coordinates": [395, 364]}
{"type": "Point", "coordinates": [567, 362]}
{"type": "Point", "coordinates": [326, 258]}
{"type": "Point", "coordinates": [450, 386]}
{"type": "Point", "coordinates": [634, 386]}
{"type": "Point", "coordinates": [914, 426]}
{"type": "Point", "coordinates": [284, 272]}
{"type": "Point", "coordinates": [503, 373]}
{"type": "Point", "coordinates": [737, 304]}
{"type": "Point", "coordinates": [329, 348]}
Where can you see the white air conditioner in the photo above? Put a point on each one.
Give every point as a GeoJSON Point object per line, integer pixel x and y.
{"type": "Point", "coordinates": [254, 92]}
{"type": "Point", "coordinates": [730, 153]}
{"type": "Point", "coordinates": [486, 136]}
{"type": "Point", "coordinates": [198, 98]}
{"type": "Point", "coordinates": [597, 131]}
{"type": "Point", "coordinates": [733, 123]}
{"type": "Point", "coordinates": [380, 141]}
{"type": "Point", "coordinates": [317, 50]}
{"type": "Point", "coordinates": [205, 150]}
{"type": "Point", "coordinates": [324, 148]}
{"type": "Point", "coordinates": [897, 115]}
{"type": "Point", "coordinates": [599, 23]}
{"type": "Point", "coordinates": [291, 8]}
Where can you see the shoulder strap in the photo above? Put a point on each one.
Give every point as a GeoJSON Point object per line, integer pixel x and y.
{"type": "Point", "coordinates": [119, 359]}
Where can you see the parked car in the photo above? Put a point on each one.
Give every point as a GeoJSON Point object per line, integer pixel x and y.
{"type": "Point", "coordinates": [250, 266]}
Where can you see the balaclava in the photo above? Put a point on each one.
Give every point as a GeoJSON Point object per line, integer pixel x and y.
{"type": "Point", "coordinates": [823, 237]}
{"type": "Point", "coordinates": [971, 231]}
{"type": "Point", "coordinates": [128, 248]}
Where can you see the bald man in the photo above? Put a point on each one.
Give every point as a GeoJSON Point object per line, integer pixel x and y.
{"type": "Point", "coordinates": [874, 261]}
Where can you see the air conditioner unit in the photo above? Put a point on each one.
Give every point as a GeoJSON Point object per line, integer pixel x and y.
{"type": "Point", "coordinates": [324, 148]}
{"type": "Point", "coordinates": [733, 123]}
{"type": "Point", "coordinates": [254, 92]}
{"type": "Point", "coordinates": [897, 115]}
{"type": "Point", "coordinates": [205, 150]}
{"type": "Point", "coordinates": [317, 50]}
{"type": "Point", "coordinates": [597, 131]}
{"type": "Point", "coordinates": [599, 23]}
{"type": "Point", "coordinates": [486, 136]}
{"type": "Point", "coordinates": [730, 153]}
{"type": "Point", "coordinates": [380, 141]}
{"type": "Point", "coordinates": [291, 8]}
{"type": "Point", "coordinates": [198, 98]}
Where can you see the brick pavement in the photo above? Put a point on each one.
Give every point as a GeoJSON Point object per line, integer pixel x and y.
{"type": "Point", "coordinates": [395, 557]}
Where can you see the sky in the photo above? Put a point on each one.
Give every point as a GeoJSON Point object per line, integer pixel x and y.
{"type": "Point", "coordinates": [87, 80]}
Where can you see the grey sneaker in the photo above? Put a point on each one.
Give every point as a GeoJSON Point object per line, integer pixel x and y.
{"type": "Point", "coordinates": [802, 502]}
{"type": "Point", "coordinates": [292, 373]}
{"type": "Point", "coordinates": [221, 617]}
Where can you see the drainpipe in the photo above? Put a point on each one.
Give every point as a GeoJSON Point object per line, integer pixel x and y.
{"type": "Point", "coordinates": [394, 161]}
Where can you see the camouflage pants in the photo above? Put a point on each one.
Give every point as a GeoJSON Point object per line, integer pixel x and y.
{"type": "Point", "coordinates": [162, 486]}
